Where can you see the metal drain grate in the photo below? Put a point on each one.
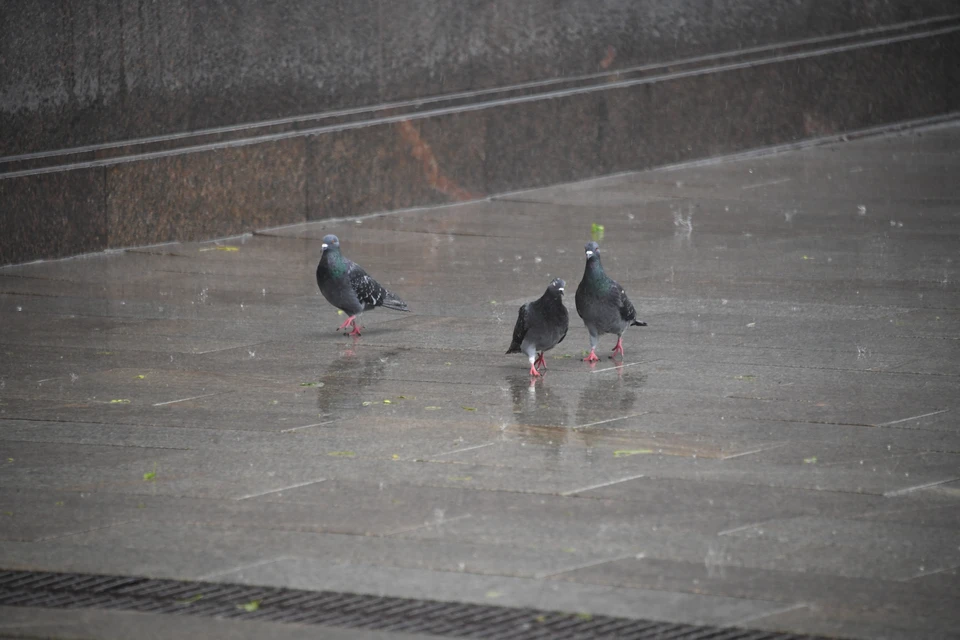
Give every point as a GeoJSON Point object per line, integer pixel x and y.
{"type": "Point", "coordinates": [461, 620]}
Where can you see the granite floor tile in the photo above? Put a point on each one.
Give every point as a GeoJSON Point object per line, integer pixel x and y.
{"type": "Point", "coordinates": [556, 596]}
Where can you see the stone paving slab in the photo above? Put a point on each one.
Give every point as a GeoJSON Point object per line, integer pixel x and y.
{"type": "Point", "coordinates": [839, 622]}
{"type": "Point", "coordinates": [731, 580]}
{"type": "Point", "coordinates": [461, 587]}
{"type": "Point", "coordinates": [780, 448]}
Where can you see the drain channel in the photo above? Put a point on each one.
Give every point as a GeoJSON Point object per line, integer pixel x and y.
{"type": "Point", "coordinates": [330, 608]}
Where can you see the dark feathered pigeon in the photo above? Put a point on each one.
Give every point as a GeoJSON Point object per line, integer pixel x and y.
{"type": "Point", "coordinates": [347, 286]}
{"type": "Point", "coordinates": [603, 304]}
{"type": "Point", "coordinates": [541, 325]}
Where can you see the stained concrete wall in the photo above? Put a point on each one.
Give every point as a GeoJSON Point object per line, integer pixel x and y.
{"type": "Point", "coordinates": [134, 122]}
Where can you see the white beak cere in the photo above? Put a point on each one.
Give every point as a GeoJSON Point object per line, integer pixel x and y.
{"type": "Point", "coordinates": [560, 289]}
{"type": "Point", "coordinates": [323, 246]}
{"type": "Point", "coordinates": [589, 253]}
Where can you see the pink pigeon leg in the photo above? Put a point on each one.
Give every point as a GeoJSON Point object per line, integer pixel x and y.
{"type": "Point", "coordinates": [618, 348]}
{"type": "Point", "coordinates": [534, 372]}
{"type": "Point", "coordinates": [347, 323]}
{"type": "Point", "coordinates": [592, 357]}
{"type": "Point", "coordinates": [540, 361]}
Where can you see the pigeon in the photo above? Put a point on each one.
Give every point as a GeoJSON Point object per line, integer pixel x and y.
{"type": "Point", "coordinates": [541, 325]}
{"type": "Point", "coordinates": [603, 304]}
{"type": "Point", "coordinates": [347, 286]}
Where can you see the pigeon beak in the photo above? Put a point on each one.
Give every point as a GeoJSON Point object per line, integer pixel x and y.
{"type": "Point", "coordinates": [560, 289]}
{"type": "Point", "coordinates": [589, 253]}
{"type": "Point", "coordinates": [324, 246]}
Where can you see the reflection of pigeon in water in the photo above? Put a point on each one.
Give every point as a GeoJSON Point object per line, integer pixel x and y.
{"type": "Point", "coordinates": [603, 398]}
{"type": "Point", "coordinates": [603, 304]}
{"type": "Point", "coordinates": [540, 416]}
{"type": "Point", "coordinates": [347, 286]}
{"type": "Point", "coordinates": [349, 377]}
{"type": "Point", "coordinates": [541, 325]}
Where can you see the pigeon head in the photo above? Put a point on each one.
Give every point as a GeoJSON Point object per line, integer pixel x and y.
{"type": "Point", "coordinates": [557, 286]}
{"type": "Point", "coordinates": [591, 249]}
{"type": "Point", "coordinates": [330, 241]}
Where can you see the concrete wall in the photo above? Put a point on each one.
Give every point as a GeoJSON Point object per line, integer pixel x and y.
{"type": "Point", "coordinates": [135, 121]}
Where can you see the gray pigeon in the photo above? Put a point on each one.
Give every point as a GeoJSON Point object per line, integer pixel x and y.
{"type": "Point", "coordinates": [347, 286]}
{"type": "Point", "coordinates": [541, 325]}
{"type": "Point", "coordinates": [603, 304]}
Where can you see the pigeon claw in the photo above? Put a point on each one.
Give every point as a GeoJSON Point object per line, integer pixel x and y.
{"type": "Point", "coordinates": [356, 331]}
{"type": "Point", "coordinates": [592, 357]}
{"type": "Point", "coordinates": [347, 323]}
{"type": "Point", "coordinates": [540, 361]}
{"type": "Point", "coordinates": [534, 372]}
{"type": "Point", "coordinates": [618, 348]}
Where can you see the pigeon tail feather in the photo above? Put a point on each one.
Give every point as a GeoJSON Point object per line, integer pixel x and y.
{"type": "Point", "coordinates": [391, 301]}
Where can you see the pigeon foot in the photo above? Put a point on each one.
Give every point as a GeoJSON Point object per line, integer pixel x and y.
{"type": "Point", "coordinates": [534, 372]}
{"type": "Point", "coordinates": [347, 323]}
{"type": "Point", "coordinates": [592, 357]}
{"type": "Point", "coordinates": [618, 348]}
{"type": "Point", "coordinates": [540, 361]}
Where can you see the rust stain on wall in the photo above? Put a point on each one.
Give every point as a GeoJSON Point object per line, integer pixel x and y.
{"type": "Point", "coordinates": [814, 126]}
{"type": "Point", "coordinates": [609, 58]}
{"type": "Point", "coordinates": [420, 149]}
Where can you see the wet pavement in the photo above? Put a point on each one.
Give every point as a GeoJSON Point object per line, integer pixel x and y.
{"type": "Point", "coordinates": [780, 448]}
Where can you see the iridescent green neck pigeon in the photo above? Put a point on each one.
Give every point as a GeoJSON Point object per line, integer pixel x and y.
{"type": "Point", "coordinates": [347, 286]}
{"type": "Point", "coordinates": [603, 304]}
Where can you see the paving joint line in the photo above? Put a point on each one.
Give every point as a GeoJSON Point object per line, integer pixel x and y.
{"type": "Point", "coordinates": [753, 419]}
{"type": "Point", "coordinates": [928, 485]}
{"type": "Point", "coordinates": [585, 565]}
{"type": "Point", "coordinates": [765, 184]}
{"type": "Point", "coordinates": [776, 612]}
{"type": "Point", "coordinates": [925, 415]}
{"type": "Point", "coordinates": [161, 404]}
{"type": "Point", "coordinates": [617, 367]}
{"type": "Point", "coordinates": [753, 451]}
{"type": "Point", "coordinates": [68, 534]}
{"type": "Point", "coordinates": [601, 485]}
{"type": "Point", "coordinates": [599, 422]}
{"type": "Point", "coordinates": [213, 575]}
{"type": "Point", "coordinates": [103, 444]}
{"type": "Point", "coordinates": [293, 486]}
{"type": "Point", "coordinates": [932, 573]}
{"type": "Point", "coordinates": [308, 426]}
{"type": "Point", "coordinates": [727, 532]}
{"type": "Point", "coordinates": [471, 448]}
{"type": "Point", "coordinates": [427, 525]}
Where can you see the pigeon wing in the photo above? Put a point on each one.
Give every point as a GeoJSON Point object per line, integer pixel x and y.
{"type": "Point", "coordinates": [369, 292]}
{"type": "Point", "coordinates": [627, 312]}
{"type": "Point", "coordinates": [519, 330]}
